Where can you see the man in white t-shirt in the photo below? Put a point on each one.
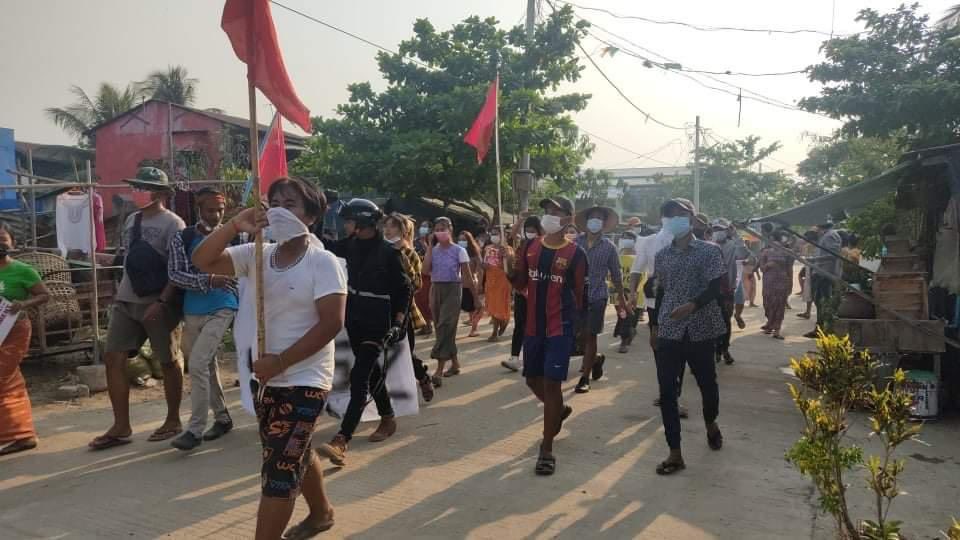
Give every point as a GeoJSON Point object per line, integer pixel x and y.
{"type": "Point", "coordinates": [304, 304]}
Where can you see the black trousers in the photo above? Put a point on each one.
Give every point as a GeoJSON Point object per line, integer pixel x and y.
{"type": "Point", "coordinates": [419, 368]}
{"type": "Point", "coordinates": [519, 324]}
{"type": "Point", "coordinates": [822, 292]}
{"type": "Point", "coordinates": [671, 355]}
{"type": "Point", "coordinates": [726, 310]}
{"type": "Point", "coordinates": [365, 377]}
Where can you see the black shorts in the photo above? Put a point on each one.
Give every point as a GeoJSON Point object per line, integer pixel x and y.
{"type": "Point", "coordinates": [287, 417]}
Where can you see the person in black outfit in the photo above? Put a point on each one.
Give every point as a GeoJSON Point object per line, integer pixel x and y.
{"type": "Point", "coordinates": [379, 294]}
{"type": "Point", "coordinates": [531, 230]}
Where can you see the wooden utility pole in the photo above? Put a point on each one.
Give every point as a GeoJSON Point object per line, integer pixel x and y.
{"type": "Point", "coordinates": [696, 166]}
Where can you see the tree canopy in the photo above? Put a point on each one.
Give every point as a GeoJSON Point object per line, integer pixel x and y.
{"type": "Point", "coordinates": [172, 85]}
{"type": "Point", "coordinates": [408, 139]}
{"type": "Point", "coordinates": [901, 76]}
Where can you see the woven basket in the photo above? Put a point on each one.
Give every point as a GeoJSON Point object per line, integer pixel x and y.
{"type": "Point", "coordinates": [51, 267]}
{"type": "Point", "coordinates": [63, 306]}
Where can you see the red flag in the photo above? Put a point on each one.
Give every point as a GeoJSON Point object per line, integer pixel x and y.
{"type": "Point", "coordinates": [482, 128]}
{"type": "Point", "coordinates": [273, 157]}
{"type": "Point", "coordinates": [249, 26]}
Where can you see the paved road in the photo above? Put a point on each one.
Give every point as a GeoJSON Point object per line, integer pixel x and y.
{"type": "Point", "coordinates": [464, 466]}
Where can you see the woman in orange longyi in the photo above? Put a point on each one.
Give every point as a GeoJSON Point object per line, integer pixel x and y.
{"type": "Point", "coordinates": [20, 285]}
{"type": "Point", "coordinates": [496, 258]}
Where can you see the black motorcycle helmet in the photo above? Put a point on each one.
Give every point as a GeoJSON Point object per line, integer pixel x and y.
{"type": "Point", "coordinates": [362, 212]}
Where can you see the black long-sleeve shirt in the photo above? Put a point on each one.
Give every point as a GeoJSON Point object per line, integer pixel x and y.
{"type": "Point", "coordinates": [363, 277]}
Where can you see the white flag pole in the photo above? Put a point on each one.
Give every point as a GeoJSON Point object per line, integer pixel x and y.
{"type": "Point", "coordinates": [496, 155]}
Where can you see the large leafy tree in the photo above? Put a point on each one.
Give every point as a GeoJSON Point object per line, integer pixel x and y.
{"type": "Point", "coordinates": [408, 139]}
{"type": "Point", "coordinates": [172, 85]}
{"type": "Point", "coordinates": [732, 185]}
{"type": "Point", "coordinates": [901, 76]}
{"type": "Point", "coordinates": [87, 111]}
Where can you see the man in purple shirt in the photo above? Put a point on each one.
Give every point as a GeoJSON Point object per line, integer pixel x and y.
{"type": "Point", "coordinates": [602, 260]}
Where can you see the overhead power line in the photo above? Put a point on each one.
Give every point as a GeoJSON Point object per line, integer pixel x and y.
{"type": "Point", "coordinates": [698, 27]}
{"type": "Point", "coordinates": [625, 149]}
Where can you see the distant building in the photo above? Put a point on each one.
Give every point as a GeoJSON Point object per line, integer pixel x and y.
{"type": "Point", "coordinates": [204, 142]}
{"type": "Point", "coordinates": [640, 191]}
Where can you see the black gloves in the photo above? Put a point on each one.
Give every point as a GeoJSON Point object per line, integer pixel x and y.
{"type": "Point", "coordinates": [394, 335]}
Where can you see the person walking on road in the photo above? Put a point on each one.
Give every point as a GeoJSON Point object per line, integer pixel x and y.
{"type": "Point", "coordinates": [449, 267]}
{"type": "Point", "coordinates": [305, 298]}
{"type": "Point", "coordinates": [552, 271]}
{"type": "Point", "coordinates": [20, 284]}
{"type": "Point", "coordinates": [689, 276]}
{"type": "Point", "coordinates": [733, 250]}
{"type": "Point", "coordinates": [209, 306]}
{"type": "Point", "coordinates": [602, 262]}
{"type": "Point", "coordinates": [531, 231]}
{"type": "Point", "coordinates": [422, 297]}
{"type": "Point", "coordinates": [827, 266]}
{"type": "Point", "coordinates": [497, 259]}
{"type": "Point", "coordinates": [777, 269]}
{"type": "Point", "coordinates": [145, 307]}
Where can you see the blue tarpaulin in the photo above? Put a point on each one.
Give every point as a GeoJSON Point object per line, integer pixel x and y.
{"type": "Point", "coordinates": [8, 162]}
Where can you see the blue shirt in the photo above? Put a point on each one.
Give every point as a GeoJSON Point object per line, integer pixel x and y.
{"type": "Point", "coordinates": [199, 297]}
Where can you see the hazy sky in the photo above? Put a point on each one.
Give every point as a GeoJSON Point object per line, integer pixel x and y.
{"type": "Point", "coordinates": [49, 45]}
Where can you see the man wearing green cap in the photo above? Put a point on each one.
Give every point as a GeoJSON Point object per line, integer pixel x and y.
{"type": "Point", "coordinates": [143, 310]}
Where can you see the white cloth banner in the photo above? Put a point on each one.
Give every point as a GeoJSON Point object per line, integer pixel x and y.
{"type": "Point", "coordinates": [8, 319]}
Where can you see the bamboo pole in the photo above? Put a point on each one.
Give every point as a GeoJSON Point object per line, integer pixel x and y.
{"type": "Point", "coordinates": [33, 200]}
{"type": "Point", "coordinates": [95, 291]}
{"type": "Point", "coordinates": [496, 155]}
{"type": "Point", "coordinates": [258, 246]}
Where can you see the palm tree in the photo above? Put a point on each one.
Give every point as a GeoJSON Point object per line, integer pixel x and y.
{"type": "Point", "coordinates": [108, 103]}
{"type": "Point", "coordinates": [171, 85]}
{"type": "Point", "coordinates": [951, 17]}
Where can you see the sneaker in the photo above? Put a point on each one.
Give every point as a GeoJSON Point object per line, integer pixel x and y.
{"type": "Point", "coordinates": [624, 348]}
{"type": "Point", "coordinates": [335, 450]}
{"type": "Point", "coordinates": [583, 386]}
{"type": "Point", "coordinates": [187, 441]}
{"type": "Point", "coordinates": [513, 364]}
{"type": "Point", "coordinates": [217, 430]}
{"type": "Point", "coordinates": [728, 358]}
{"type": "Point", "coordinates": [597, 371]}
{"type": "Point", "coordinates": [426, 388]}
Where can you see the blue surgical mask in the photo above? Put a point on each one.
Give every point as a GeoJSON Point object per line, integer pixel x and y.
{"type": "Point", "coordinates": [463, 244]}
{"type": "Point", "coordinates": [678, 226]}
{"type": "Point", "coordinates": [626, 243]}
{"type": "Point", "coordinates": [594, 225]}
{"type": "Point", "coordinates": [719, 236]}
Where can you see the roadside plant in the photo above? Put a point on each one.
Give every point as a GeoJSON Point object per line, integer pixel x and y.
{"type": "Point", "coordinates": [953, 533]}
{"type": "Point", "coordinates": [832, 381]}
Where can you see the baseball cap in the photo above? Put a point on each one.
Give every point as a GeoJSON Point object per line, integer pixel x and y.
{"type": "Point", "coordinates": [678, 203]}
{"type": "Point", "coordinates": [560, 202]}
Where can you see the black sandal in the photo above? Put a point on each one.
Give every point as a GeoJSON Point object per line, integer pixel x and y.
{"type": "Point", "coordinates": [715, 440]}
{"type": "Point", "coordinates": [546, 465]}
{"type": "Point", "coordinates": [669, 467]}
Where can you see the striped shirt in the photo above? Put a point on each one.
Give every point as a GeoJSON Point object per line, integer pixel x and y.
{"type": "Point", "coordinates": [602, 257]}
{"type": "Point", "coordinates": [553, 278]}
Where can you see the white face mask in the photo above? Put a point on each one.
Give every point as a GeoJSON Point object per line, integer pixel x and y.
{"type": "Point", "coordinates": [551, 224]}
{"type": "Point", "coordinates": [626, 243]}
{"type": "Point", "coordinates": [571, 237]}
{"type": "Point", "coordinates": [495, 239]}
{"type": "Point", "coordinates": [284, 226]}
{"type": "Point", "coordinates": [594, 225]}
{"type": "Point", "coordinates": [530, 235]}
{"type": "Point", "coordinates": [424, 231]}
{"type": "Point", "coordinates": [392, 240]}
{"type": "Point", "coordinates": [463, 243]}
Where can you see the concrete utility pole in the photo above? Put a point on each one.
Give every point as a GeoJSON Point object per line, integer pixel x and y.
{"type": "Point", "coordinates": [523, 179]}
{"type": "Point", "coordinates": [696, 166]}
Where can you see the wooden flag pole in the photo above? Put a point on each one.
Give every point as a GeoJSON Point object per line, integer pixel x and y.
{"type": "Point", "coordinates": [258, 245]}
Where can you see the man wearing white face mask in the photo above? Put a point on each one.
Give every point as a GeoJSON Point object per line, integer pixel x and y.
{"type": "Point", "coordinates": [602, 261]}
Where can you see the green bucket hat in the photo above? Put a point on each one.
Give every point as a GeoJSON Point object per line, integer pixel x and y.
{"type": "Point", "coordinates": [150, 178]}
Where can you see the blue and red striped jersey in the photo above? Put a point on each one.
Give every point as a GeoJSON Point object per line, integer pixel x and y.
{"type": "Point", "coordinates": [554, 280]}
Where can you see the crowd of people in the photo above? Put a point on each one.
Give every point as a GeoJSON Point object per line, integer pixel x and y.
{"type": "Point", "coordinates": [387, 280]}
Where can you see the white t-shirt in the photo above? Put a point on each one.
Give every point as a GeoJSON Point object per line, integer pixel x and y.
{"type": "Point", "coordinates": [289, 308]}
{"type": "Point", "coordinates": [647, 248]}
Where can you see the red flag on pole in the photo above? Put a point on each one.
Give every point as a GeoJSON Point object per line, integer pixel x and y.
{"type": "Point", "coordinates": [249, 26]}
{"type": "Point", "coordinates": [273, 157]}
{"type": "Point", "coordinates": [482, 128]}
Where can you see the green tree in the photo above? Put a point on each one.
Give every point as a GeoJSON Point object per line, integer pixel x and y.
{"type": "Point", "coordinates": [838, 162]}
{"type": "Point", "coordinates": [731, 184]}
{"type": "Point", "coordinates": [171, 85]}
{"type": "Point", "coordinates": [901, 76]}
{"type": "Point", "coordinates": [86, 112]}
{"type": "Point", "coordinates": [408, 139]}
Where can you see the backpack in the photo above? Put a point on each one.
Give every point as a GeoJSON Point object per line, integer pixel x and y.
{"type": "Point", "coordinates": [146, 268]}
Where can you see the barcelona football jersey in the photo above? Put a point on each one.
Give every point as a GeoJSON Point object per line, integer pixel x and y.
{"type": "Point", "coordinates": [553, 277]}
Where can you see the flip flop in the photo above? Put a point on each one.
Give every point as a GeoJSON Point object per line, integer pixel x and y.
{"type": "Point", "coordinates": [304, 530]}
{"type": "Point", "coordinates": [108, 441]}
{"type": "Point", "coordinates": [162, 434]}
{"type": "Point", "coordinates": [777, 336]}
{"type": "Point", "coordinates": [546, 465]}
{"type": "Point", "coordinates": [741, 323]}
{"type": "Point", "coordinates": [21, 445]}
{"type": "Point", "coordinates": [452, 372]}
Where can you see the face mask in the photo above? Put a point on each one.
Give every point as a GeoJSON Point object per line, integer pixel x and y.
{"type": "Point", "coordinates": [530, 235]}
{"type": "Point", "coordinates": [463, 244]}
{"type": "Point", "coordinates": [594, 225]}
{"type": "Point", "coordinates": [551, 224]}
{"type": "Point", "coordinates": [571, 237]}
{"type": "Point", "coordinates": [391, 240]}
{"type": "Point", "coordinates": [495, 239]}
{"type": "Point", "coordinates": [719, 236]}
{"type": "Point", "coordinates": [626, 244]}
{"type": "Point", "coordinates": [443, 236]}
{"type": "Point", "coordinates": [677, 226]}
{"type": "Point", "coordinates": [424, 231]}
{"type": "Point", "coordinates": [284, 226]}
